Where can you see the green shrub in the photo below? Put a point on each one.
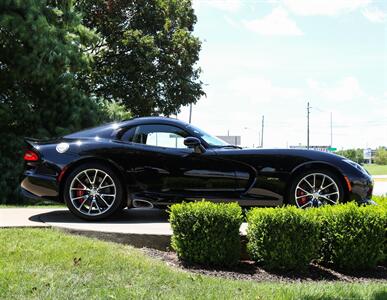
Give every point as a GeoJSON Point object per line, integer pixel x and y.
{"type": "Point", "coordinates": [282, 238]}
{"type": "Point", "coordinates": [382, 204]}
{"type": "Point", "coordinates": [206, 233]}
{"type": "Point", "coordinates": [353, 237]}
{"type": "Point", "coordinates": [381, 201]}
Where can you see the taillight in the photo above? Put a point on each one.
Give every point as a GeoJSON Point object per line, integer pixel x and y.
{"type": "Point", "coordinates": [31, 155]}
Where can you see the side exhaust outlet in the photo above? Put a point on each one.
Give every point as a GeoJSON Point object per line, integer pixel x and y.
{"type": "Point", "coordinates": [140, 203]}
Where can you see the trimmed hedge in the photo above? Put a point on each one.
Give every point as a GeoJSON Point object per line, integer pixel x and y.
{"type": "Point", "coordinates": [353, 237]}
{"type": "Point", "coordinates": [285, 238]}
{"type": "Point", "coordinates": [381, 201]}
{"type": "Point", "coordinates": [346, 235]}
{"type": "Point", "coordinates": [206, 233]}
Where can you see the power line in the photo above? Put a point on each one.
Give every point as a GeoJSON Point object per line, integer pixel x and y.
{"type": "Point", "coordinates": [263, 125]}
{"type": "Point", "coordinates": [190, 113]}
{"type": "Point", "coordinates": [331, 131]}
{"type": "Point", "coordinates": [307, 134]}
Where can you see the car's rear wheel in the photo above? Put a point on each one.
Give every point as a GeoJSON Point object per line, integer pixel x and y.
{"type": "Point", "coordinates": [316, 188]}
{"type": "Point", "coordinates": [93, 191]}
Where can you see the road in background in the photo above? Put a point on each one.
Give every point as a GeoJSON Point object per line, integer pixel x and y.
{"type": "Point", "coordinates": [380, 185]}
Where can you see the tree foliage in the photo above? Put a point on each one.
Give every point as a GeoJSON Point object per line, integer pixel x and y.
{"type": "Point", "coordinates": [66, 65]}
{"type": "Point", "coordinates": [114, 111]}
{"type": "Point", "coordinates": [355, 155]}
{"type": "Point", "coordinates": [381, 156]}
{"type": "Point", "coordinates": [41, 55]}
{"type": "Point", "coordinates": [146, 55]}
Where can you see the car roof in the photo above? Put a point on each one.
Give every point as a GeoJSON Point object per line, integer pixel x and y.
{"type": "Point", "coordinates": [107, 130]}
{"type": "Point", "coordinates": [151, 120]}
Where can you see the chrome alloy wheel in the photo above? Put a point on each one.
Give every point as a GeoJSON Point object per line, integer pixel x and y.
{"type": "Point", "coordinates": [316, 189]}
{"type": "Point", "coordinates": [92, 192]}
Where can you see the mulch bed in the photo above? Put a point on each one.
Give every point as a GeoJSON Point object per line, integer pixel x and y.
{"type": "Point", "coordinates": [249, 270]}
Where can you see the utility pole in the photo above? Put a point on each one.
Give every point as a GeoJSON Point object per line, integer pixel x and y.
{"type": "Point", "coordinates": [190, 113]}
{"type": "Point", "coordinates": [263, 125]}
{"type": "Point", "coordinates": [308, 113]}
{"type": "Point", "coordinates": [331, 132]}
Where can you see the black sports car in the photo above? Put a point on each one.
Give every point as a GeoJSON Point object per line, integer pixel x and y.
{"type": "Point", "coordinates": [155, 162]}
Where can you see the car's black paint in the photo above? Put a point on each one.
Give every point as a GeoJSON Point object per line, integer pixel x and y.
{"type": "Point", "coordinates": [253, 177]}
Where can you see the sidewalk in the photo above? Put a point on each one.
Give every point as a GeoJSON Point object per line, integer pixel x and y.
{"type": "Point", "coordinates": [379, 177]}
{"type": "Point", "coordinates": [21, 217]}
{"type": "Point", "coordinates": [137, 227]}
{"type": "Point", "coordinates": [130, 221]}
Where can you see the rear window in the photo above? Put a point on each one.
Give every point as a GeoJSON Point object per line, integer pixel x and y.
{"type": "Point", "coordinates": [104, 131]}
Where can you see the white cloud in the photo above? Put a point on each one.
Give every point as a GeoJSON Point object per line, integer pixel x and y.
{"type": "Point", "coordinates": [236, 58]}
{"type": "Point", "coordinates": [324, 7]}
{"type": "Point", "coordinates": [260, 89]}
{"type": "Point", "coordinates": [231, 22]}
{"type": "Point", "coordinates": [375, 15]}
{"type": "Point", "coordinates": [225, 5]}
{"type": "Point", "coordinates": [346, 89]}
{"type": "Point", "coordinates": [276, 23]}
{"type": "Point", "coordinates": [239, 105]}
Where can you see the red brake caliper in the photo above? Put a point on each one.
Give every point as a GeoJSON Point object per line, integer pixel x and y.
{"type": "Point", "coordinates": [301, 201]}
{"type": "Point", "coordinates": [80, 193]}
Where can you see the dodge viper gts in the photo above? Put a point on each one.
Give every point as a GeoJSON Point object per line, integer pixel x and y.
{"type": "Point", "coordinates": [156, 161]}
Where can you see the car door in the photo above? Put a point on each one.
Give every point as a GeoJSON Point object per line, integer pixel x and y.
{"type": "Point", "coordinates": [180, 171]}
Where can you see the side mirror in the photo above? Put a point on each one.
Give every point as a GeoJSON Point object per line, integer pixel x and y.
{"type": "Point", "coordinates": [193, 142]}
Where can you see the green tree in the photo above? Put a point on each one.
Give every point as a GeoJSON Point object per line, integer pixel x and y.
{"type": "Point", "coordinates": [114, 111]}
{"type": "Point", "coordinates": [146, 56]}
{"type": "Point", "coordinates": [381, 156]}
{"type": "Point", "coordinates": [355, 155]}
{"type": "Point", "coordinates": [42, 54]}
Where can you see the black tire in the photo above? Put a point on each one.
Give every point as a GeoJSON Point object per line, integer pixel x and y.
{"type": "Point", "coordinates": [320, 201]}
{"type": "Point", "coordinates": [115, 206]}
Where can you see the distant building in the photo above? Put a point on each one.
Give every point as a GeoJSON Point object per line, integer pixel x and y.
{"type": "Point", "coordinates": [231, 139]}
{"type": "Point", "coordinates": [369, 155]}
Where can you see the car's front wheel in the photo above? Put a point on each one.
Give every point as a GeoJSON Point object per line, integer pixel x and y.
{"type": "Point", "coordinates": [316, 188]}
{"type": "Point", "coordinates": [93, 191]}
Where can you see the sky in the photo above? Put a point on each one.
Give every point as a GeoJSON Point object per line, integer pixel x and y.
{"type": "Point", "coordinates": [271, 57]}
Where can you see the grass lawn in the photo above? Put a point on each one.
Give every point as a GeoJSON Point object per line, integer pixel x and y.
{"type": "Point", "coordinates": [35, 204]}
{"type": "Point", "coordinates": [376, 169]}
{"type": "Point", "coordinates": [48, 264]}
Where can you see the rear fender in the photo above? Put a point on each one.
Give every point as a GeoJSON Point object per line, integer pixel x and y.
{"type": "Point", "coordinates": [124, 177]}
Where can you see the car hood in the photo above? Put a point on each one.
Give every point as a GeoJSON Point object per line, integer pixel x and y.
{"type": "Point", "coordinates": [310, 154]}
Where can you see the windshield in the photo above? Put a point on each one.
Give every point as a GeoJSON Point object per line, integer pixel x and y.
{"type": "Point", "coordinates": [209, 139]}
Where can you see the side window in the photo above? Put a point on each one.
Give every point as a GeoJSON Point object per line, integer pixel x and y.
{"type": "Point", "coordinates": [160, 136]}
{"type": "Point", "coordinates": [127, 136]}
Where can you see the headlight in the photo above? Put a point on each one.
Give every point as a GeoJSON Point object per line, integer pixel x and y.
{"type": "Point", "coordinates": [356, 165]}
